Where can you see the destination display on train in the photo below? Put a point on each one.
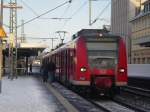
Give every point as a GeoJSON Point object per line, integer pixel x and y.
{"type": "Point", "coordinates": [101, 39]}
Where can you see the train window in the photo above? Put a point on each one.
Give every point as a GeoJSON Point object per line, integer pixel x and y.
{"type": "Point", "coordinates": [102, 62]}
{"type": "Point", "coordinates": [102, 54]}
{"type": "Point", "coordinates": [101, 46]}
{"type": "Point", "coordinates": [102, 59]}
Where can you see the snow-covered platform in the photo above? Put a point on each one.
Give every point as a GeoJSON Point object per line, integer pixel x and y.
{"type": "Point", "coordinates": [27, 94]}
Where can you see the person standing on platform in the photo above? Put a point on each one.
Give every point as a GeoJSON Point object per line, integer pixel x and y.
{"type": "Point", "coordinates": [52, 69]}
{"type": "Point", "coordinates": [19, 68]}
{"type": "Point", "coordinates": [45, 72]}
{"type": "Point", "coordinates": [30, 68]}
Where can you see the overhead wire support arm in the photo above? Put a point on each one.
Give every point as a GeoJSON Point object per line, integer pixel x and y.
{"type": "Point", "coordinates": [12, 5]}
{"type": "Point", "coordinates": [55, 18]}
{"type": "Point", "coordinates": [37, 38]}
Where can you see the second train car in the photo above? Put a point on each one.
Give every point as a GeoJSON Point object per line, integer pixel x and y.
{"type": "Point", "coordinates": [94, 58]}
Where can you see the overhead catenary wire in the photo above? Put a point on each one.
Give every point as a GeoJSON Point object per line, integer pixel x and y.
{"type": "Point", "coordinates": [36, 14]}
{"type": "Point", "coordinates": [74, 13]}
{"type": "Point", "coordinates": [101, 13]}
{"type": "Point", "coordinates": [45, 13]}
{"type": "Point", "coordinates": [66, 10]}
{"type": "Point", "coordinates": [30, 8]}
{"type": "Point", "coordinates": [62, 16]}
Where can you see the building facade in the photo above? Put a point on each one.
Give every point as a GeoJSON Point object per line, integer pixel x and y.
{"type": "Point", "coordinates": [122, 11]}
{"type": "Point", "coordinates": [141, 36]}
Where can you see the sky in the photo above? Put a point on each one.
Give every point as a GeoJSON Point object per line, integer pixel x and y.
{"type": "Point", "coordinates": [77, 10]}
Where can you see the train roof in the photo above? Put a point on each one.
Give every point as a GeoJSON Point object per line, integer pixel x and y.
{"type": "Point", "coordinates": [86, 33]}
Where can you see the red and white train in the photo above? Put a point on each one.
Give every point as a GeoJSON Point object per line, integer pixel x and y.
{"type": "Point", "coordinates": [93, 58]}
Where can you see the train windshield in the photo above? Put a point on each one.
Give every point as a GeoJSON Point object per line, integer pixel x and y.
{"type": "Point", "coordinates": [102, 54]}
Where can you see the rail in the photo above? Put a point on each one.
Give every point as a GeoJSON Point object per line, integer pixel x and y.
{"type": "Point", "coordinates": [137, 91]}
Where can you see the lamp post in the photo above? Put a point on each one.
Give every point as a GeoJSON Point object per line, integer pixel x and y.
{"type": "Point", "coordinates": [61, 36]}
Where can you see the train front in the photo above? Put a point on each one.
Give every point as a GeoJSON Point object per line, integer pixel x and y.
{"type": "Point", "coordinates": [106, 57]}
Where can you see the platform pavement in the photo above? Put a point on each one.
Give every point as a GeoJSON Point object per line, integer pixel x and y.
{"type": "Point", "coordinates": [27, 94]}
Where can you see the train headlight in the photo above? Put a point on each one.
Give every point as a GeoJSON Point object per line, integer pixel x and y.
{"type": "Point", "coordinates": [83, 69]}
{"type": "Point", "coordinates": [122, 70]}
{"type": "Point", "coordinates": [100, 35]}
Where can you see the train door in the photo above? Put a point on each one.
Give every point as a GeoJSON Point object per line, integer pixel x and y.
{"type": "Point", "coordinates": [59, 74]}
{"type": "Point", "coordinates": [61, 67]}
{"type": "Point", "coordinates": [65, 66]}
{"type": "Point", "coordinates": [71, 64]}
{"type": "Point", "coordinates": [57, 66]}
{"type": "Point", "coordinates": [68, 56]}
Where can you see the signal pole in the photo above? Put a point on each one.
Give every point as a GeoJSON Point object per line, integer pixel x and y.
{"type": "Point", "coordinates": [1, 14]}
{"type": "Point", "coordinates": [53, 41]}
{"type": "Point", "coordinates": [1, 23]}
{"type": "Point", "coordinates": [13, 30]}
{"type": "Point", "coordinates": [90, 10]}
{"type": "Point", "coordinates": [22, 32]}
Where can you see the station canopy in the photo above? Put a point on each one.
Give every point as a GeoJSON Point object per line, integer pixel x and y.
{"type": "Point", "coordinates": [28, 49]}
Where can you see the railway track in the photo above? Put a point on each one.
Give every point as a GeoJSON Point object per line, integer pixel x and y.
{"type": "Point", "coordinates": [118, 104]}
{"type": "Point", "coordinates": [137, 91]}
{"type": "Point", "coordinates": [110, 106]}
{"type": "Point", "coordinates": [134, 103]}
{"type": "Point", "coordinates": [130, 105]}
{"type": "Point", "coordinates": [135, 98]}
{"type": "Point", "coordinates": [83, 103]}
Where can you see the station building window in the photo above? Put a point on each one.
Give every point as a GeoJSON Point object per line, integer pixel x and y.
{"type": "Point", "coordinates": [148, 60]}
{"type": "Point", "coordinates": [148, 21]}
{"type": "Point", "coordinates": [138, 60]}
{"type": "Point", "coordinates": [149, 31]}
{"type": "Point", "coordinates": [143, 60]}
{"type": "Point", "coordinates": [134, 61]}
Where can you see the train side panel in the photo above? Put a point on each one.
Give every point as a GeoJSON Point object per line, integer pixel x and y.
{"type": "Point", "coordinates": [82, 73]}
{"type": "Point", "coordinates": [121, 76]}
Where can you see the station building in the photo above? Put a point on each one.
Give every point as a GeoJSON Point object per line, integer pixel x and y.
{"type": "Point", "coordinates": [122, 11]}
{"type": "Point", "coordinates": [141, 36]}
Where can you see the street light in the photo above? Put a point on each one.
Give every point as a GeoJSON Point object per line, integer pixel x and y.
{"type": "Point", "coordinates": [61, 36]}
